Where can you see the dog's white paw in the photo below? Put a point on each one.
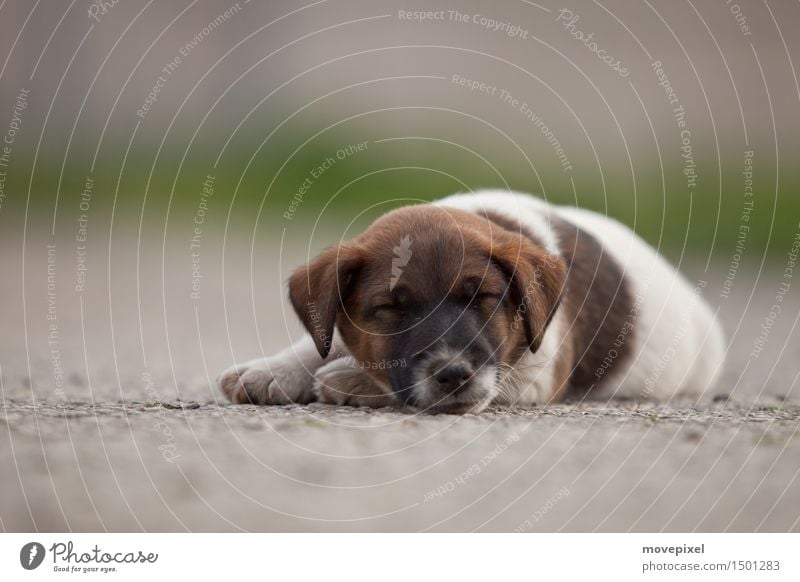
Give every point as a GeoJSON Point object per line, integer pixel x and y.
{"type": "Point", "coordinates": [344, 383]}
{"type": "Point", "coordinates": [281, 379]}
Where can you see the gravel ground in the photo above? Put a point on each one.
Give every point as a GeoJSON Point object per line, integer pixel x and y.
{"type": "Point", "coordinates": [110, 422]}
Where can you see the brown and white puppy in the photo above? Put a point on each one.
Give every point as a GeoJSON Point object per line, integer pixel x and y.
{"type": "Point", "coordinates": [492, 297]}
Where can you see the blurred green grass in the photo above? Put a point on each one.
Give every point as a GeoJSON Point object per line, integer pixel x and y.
{"type": "Point", "coordinates": [364, 185]}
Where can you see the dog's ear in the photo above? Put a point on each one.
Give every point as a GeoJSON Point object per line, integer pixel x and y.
{"type": "Point", "coordinates": [317, 291]}
{"type": "Point", "coordinates": [537, 282]}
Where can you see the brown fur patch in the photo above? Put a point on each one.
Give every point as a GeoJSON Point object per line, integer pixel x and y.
{"type": "Point", "coordinates": [318, 290]}
{"type": "Point", "coordinates": [548, 274]}
{"type": "Point", "coordinates": [598, 307]}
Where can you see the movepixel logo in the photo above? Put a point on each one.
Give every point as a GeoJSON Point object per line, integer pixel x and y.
{"type": "Point", "coordinates": [31, 555]}
{"type": "Point", "coordinates": [402, 254]}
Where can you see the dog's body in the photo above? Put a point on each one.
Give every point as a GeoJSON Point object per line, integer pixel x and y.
{"type": "Point", "coordinates": [492, 297]}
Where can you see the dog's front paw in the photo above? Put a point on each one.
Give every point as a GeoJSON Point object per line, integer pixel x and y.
{"type": "Point", "coordinates": [275, 380]}
{"type": "Point", "coordinates": [344, 383]}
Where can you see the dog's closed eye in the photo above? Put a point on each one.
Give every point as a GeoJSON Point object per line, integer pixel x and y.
{"type": "Point", "coordinates": [392, 304]}
{"type": "Point", "coordinates": [484, 299]}
{"type": "Point", "coordinates": [381, 308]}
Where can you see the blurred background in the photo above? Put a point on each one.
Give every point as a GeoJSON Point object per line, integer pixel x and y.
{"type": "Point", "coordinates": [165, 165]}
{"type": "Point", "coordinates": [203, 148]}
{"type": "Point", "coordinates": [260, 94]}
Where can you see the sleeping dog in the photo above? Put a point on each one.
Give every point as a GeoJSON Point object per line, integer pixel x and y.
{"type": "Point", "coordinates": [488, 298]}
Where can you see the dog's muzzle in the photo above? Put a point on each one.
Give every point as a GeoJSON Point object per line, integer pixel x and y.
{"type": "Point", "coordinates": [449, 382]}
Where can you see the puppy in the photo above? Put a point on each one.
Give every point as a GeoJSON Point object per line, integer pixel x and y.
{"type": "Point", "coordinates": [488, 298]}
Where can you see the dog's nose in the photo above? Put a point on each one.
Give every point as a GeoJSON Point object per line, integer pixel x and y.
{"type": "Point", "coordinates": [453, 377]}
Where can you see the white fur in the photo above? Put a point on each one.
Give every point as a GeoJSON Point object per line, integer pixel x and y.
{"type": "Point", "coordinates": [286, 377]}
{"type": "Point", "coordinates": [342, 382]}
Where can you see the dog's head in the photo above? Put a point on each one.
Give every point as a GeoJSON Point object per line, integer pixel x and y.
{"type": "Point", "coordinates": [433, 302]}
